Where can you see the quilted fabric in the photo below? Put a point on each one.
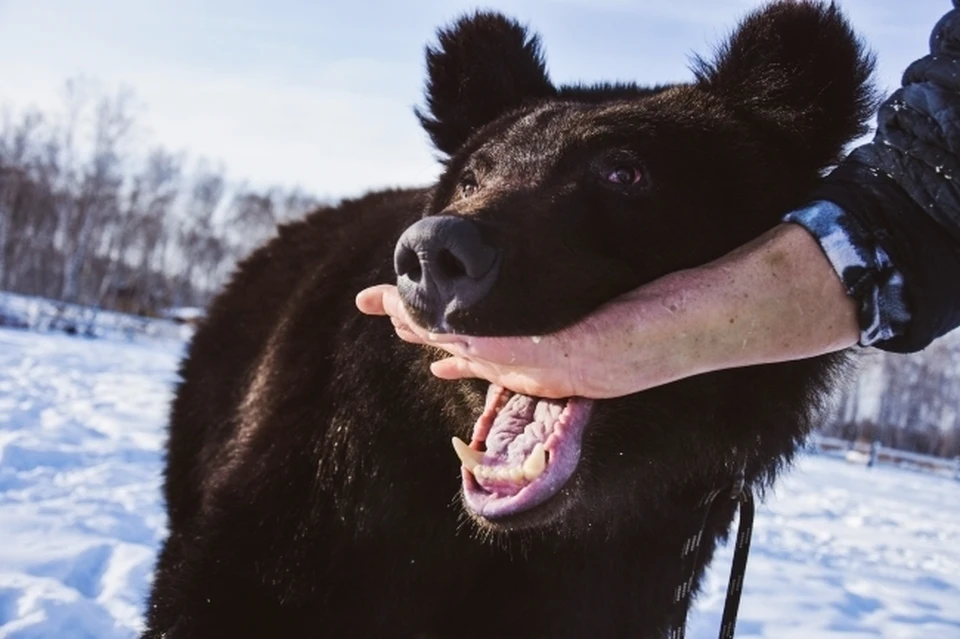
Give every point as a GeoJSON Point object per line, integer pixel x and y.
{"type": "Point", "coordinates": [900, 201]}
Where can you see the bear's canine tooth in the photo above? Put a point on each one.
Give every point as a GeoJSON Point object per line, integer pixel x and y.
{"type": "Point", "coordinates": [516, 474]}
{"type": "Point", "coordinates": [534, 465]}
{"type": "Point", "coordinates": [469, 457]}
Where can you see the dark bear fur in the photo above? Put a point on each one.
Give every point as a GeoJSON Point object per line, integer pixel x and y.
{"type": "Point", "coordinates": [310, 485]}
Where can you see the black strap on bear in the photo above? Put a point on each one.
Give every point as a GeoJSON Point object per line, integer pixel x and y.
{"type": "Point", "coordinates": [712, 508]}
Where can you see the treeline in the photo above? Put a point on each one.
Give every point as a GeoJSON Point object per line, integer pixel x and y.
{"type": "Point", "coordinates": [88, 216]}
{"type": "Point", "coordinates": [910, 402]}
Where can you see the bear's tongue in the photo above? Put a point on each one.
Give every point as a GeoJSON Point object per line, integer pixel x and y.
{"type": "Point", "coordinates": [523, 450]}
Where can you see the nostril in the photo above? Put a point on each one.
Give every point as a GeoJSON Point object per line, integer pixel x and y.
{"type": "Point", "coordinates": [449, 266]}
{"type": "Point", "coordinates": [444, 263]}
{"type": "Point", "coordinates": [408, 264]}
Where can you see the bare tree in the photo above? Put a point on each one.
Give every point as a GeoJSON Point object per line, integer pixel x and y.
{"type": "Point", "coordinates": [93, 205]}
{"type": "Point", "coordinates": [85, 217]}
{"type": "Point", "coordinates": [915, 404]}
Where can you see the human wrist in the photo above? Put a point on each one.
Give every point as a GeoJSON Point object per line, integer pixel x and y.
{"type": "Point", "coordinates": [867, 271]}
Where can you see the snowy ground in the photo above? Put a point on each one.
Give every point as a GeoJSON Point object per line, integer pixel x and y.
{"type": "Point", "coordinates": [840, 552]}
{"type": "Point", "coordinates": [81, 436]}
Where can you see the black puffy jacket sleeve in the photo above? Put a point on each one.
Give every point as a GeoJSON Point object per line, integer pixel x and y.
{"type": "Point", "coordinates": [902, 191]}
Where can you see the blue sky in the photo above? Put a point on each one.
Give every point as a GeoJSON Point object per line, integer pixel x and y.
{"type": "Point", "coordinates": [320, 94]}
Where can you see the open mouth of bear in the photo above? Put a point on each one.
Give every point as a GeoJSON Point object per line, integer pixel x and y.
{"type": "Point", "coordinates": [522, 452]}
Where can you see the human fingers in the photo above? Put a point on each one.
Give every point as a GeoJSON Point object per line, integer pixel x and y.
{"type": "Point", "coordinates": [518, 352]}
{"type": "Point", "coordinates": [382, 300]}
{"type": "Point", "coordinates": [405, 333]}
{"type": "Point", "coordinates": [370, 300]}
{"type": "Point", "coordinates": [508, 352]}
{"type": "Point", "coordinates": [529, 382]}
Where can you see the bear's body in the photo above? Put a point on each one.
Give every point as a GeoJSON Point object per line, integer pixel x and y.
{"type": "Point", "coordinates": [311, 487]}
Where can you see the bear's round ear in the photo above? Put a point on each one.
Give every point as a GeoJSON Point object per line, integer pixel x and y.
{"type": "Point", "coordinates": [484, 65]}
{"type": "Point", "coordinates": [798, 70]}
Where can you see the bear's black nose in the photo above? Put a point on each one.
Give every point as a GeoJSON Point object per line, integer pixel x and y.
{"type": "Point", "coordinates": [443, 264]}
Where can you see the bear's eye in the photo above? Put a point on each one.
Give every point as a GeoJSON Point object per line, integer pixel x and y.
{"type": "Point", "coordinates": [625, 176]}
{"type": "Point", "coordinates": [468, 184]}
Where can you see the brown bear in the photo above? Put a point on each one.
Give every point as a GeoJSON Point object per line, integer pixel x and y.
{"type": "Point", "coordinates": [311, 487]}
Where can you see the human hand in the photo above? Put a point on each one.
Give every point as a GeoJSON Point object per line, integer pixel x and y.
{"type": "Point", "coordinates": [596, 357]}
{"type": "Point", "coordinates": [774, 299]}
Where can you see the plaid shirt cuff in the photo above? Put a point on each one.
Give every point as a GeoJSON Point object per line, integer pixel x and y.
{"type": "Point", "coordinates": [864, 267]}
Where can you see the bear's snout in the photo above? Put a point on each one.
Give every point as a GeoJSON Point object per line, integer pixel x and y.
{"type": "Point", "coordinates": [444, 264]}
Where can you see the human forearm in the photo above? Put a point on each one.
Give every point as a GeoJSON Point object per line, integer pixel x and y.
{"type": "Point", "coordinates": [774, 299]}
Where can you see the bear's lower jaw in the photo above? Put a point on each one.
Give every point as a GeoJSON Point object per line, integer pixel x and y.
{"type": "Point", "coordinates": [523, 451]}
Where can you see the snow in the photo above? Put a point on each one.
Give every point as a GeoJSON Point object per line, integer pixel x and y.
{"type": "Point", "coordinates": [844, 551]}
{"type": "Point", "coordinates": [839, 552]}
{"type": "Point", "coordinates": [39, 313]}
{"type": "Point", "coordinates": [81, 438]}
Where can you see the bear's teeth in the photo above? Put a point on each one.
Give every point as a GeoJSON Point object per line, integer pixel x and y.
{"type": "Point", "coordinates": [502, 474]}
{"type": "Point", "coordinates": [535, 464]}
{"type": "Point", "coordinates": [468, 456]}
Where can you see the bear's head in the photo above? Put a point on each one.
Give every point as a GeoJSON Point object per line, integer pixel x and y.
{"type": "Point", "coordinates": [555, 200]}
